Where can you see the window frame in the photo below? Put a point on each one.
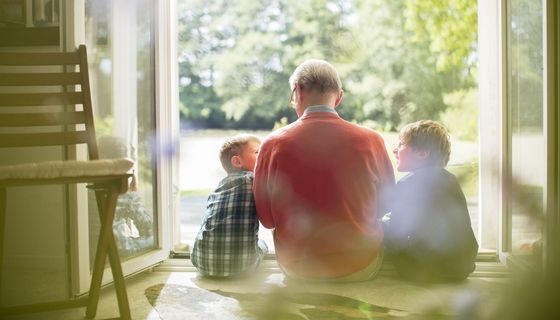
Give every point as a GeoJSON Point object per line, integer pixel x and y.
{"type": "Point", "coordinates": [492, 127]}
{"type": "Point", "coordinates": [551, 232]}
{"type": "Point", "coordinates": [495, 134]}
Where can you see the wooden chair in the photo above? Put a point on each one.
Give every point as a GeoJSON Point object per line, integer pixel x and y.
{"type": "Point", "coordinates": [108, 178]}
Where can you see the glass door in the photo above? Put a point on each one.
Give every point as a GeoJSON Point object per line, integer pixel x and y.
{"type": "Point", "coordinates": [526, 135]}
{"type": "Point", "coordinates": [122, 45]}
{"type": "Point", "coordinates": [119, 38]}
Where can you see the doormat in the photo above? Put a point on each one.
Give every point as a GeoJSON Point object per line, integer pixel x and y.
{"type": "Point", "coordinates": [173, 301]}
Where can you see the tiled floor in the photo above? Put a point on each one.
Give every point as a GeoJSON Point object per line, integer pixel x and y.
{"type": "Point", "coordinates": [174, 291]}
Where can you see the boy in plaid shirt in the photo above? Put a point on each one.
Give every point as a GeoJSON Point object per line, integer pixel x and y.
{"type": "Point", "coordinates": [227, 243]}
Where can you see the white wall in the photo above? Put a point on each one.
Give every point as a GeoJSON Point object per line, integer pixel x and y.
{"type": "Point", "coordinates": [34, 260]}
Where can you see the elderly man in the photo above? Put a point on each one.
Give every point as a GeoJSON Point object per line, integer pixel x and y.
{"type": "Point", "coordinates": [319, 183]}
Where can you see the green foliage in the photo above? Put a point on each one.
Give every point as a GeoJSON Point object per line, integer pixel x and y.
{"type": "Point", "coordinates": [461, 117]}
{"type": "Point", "coordinates": [450, 26]}
{"type": "Point", "coordinates": [468, 178]}
{"type": "Point", "coordinates": [526, 60]}
{"type": "Point", "coordinates": [394, 79]}
{"type": "Point", "coordinates": [281, 123]}
{"type": "Point", "coordinates": [236, 56]}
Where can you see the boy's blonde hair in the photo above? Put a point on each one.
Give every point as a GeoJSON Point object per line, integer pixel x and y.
{"type": "Point", "coordinates": [233, 147]}
{"type": "Point", "coordinates": [429, 136]}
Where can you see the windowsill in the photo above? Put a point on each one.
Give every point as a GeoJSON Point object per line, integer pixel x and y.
{"type": "Point", "coordinates": [487, 265]}
{"type": "Point", "coordinates": [483, 255]}
{"type": "Point", "coordinates": [184, 265]}
{"type": "Point", "coordinates": [522, 263]}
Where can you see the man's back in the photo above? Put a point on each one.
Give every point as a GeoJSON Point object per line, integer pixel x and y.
{"type": "Point", "coordinates": [318, 183]}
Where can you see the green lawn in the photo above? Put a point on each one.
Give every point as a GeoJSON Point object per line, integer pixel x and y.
{"type": "Point", "coordinates": [203, 145]}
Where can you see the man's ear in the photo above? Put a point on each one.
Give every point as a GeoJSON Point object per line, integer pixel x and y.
{"type": "Point", "coordinates": [299, 94]}
{"type": "Point", "coordinates": [236, 162]}
{"type": "Point", "coordinates": [339, 98]}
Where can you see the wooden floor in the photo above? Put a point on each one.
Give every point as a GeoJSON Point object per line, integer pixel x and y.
{"type": "Point", "coordinates": [174, 291]}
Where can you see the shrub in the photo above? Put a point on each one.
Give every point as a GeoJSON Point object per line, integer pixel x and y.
{"type": "Point", "coordinates": [461, 116]}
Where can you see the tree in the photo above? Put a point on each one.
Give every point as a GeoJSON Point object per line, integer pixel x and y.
{"type": "Point", "coordinates": [394, 78]}
{"type": "Point", "coordinates": [450, 26]}
{"type": "Point", "coordinates": [236, 58]}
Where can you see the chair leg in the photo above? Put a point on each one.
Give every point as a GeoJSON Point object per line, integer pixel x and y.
{"type": "Point", "coordinates": [118, 277]}
{"type": "Point", "coordinates": [99, 262]}
{"type": "Point", "coordinates": [106, 246]}
{"type": "Point", "coordinates": [3, 205]}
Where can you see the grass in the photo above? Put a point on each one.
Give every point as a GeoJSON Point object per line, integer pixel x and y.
{"type": "Point", "coordinates": [465, 166]}
{"type": "Point", "coordinates": [195, 192]}
{"type": "Point", "coordinates": [219, 133]}
{"type": "Point", "coordinates": [467, 174]}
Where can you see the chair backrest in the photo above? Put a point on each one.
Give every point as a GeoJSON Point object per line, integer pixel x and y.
{"type": "Point", "coordinates": [46, 108]}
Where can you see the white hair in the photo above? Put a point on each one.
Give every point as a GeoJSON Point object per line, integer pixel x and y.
{"type": "Point", "coordinates": [315, 74]}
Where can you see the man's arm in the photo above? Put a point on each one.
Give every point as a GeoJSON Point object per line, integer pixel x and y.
{"type": "Point", "coordinates": [261, 187]}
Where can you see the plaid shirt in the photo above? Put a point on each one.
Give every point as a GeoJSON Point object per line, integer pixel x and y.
{"type": "Point", "coordinates": [226, 244]}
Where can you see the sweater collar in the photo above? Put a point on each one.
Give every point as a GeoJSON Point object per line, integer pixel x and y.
{"type": "Point", "coordinates": [319, 108]}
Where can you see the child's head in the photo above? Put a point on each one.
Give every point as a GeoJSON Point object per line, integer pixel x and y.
{"type": "Point", "coordinates": [422, 143]}
{"type": "Point", "coordinates": [239, 153]}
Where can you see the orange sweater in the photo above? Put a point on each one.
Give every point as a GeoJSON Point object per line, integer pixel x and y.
{"type": "Point", "coordinates": [318, 183]}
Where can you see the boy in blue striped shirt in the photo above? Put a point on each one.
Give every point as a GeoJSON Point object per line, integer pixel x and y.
{"type": "Point", "coordinates": [428, 234]}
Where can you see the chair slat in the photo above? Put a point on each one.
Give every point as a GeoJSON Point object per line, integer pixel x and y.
{"type": "Point", "coordinates": [120, 179]}
{"type": "Point", "coordinates": [42, 139]}
{"type": "Point", "coordinates": [39, 79]}
{"type": "Point", "coordinates": [38, 59]}
{"type": "Point", "coordinates": [41, 119]}
{"type": "Point", "coordinates": [40, 99]}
